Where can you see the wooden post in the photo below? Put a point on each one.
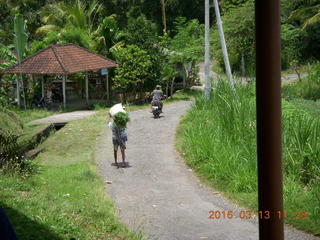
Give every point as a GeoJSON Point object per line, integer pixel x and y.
{"type": "Point", "coordinates": [268, 105]}
{"type": "Point", "coordinates": [42, 85]}
{"type": "Point", "coordinates": [64, 79]}
{"type": "Point", "coordinates": [87, 87]}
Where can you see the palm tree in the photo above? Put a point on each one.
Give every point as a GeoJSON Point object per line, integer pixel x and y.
{"type": "Point", "coordinates": [70, 22]}
{"type": "Point", "coordinates": [308, 14]}
{"type": "Point", "coordinates": [72, 15]}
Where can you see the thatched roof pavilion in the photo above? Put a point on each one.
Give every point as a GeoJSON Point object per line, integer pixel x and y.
{"type": "Point", "coordinates": [62, 59]}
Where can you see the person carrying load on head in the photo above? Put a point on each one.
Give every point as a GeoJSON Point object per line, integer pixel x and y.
{"type": "Point", "coordinates": [117, 122]}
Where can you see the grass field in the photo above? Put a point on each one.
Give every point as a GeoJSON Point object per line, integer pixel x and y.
{"type": "Point", "coordinates": [66, 197]}
{"type": "Point", "coordinates": [218, 140]}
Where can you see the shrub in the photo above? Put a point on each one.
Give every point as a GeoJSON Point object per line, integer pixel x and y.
{"type": "Point", "coordinates": [12, 152]}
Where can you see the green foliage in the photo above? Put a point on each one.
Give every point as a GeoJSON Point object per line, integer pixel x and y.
{"type": "Point", "coordinates": [11, 152]}
{"type": "Point", "coordinates": [108, 35]}
{"type": "Point", "coordinates": [121, 119]}
{"type": "Point", "coordinates": [305, 15]}
{"type": "Point", "coordinates": [185, 49]}
{"type": "Point", "coordinates": [239, 30]}
{"type": "Point", "coordinates": [72, 22]}
{"type": "Point", "coordinates": [311, 107]}
{"type": "Point", "coordinates": [141, 32]}
{"type": "Point", "coordinates": [290, 44]}
{"type": "Point", "coordinates": [308, 88]}
{"type": "Point", "coordinates": [6, 80]}
{"type": "Point", "coordinates": [187, 44]}
{"type": "Point", "coordinates": [12, 149]}
{"type": "Point", "coordinates": [227, 4]}
{"type": "Point", "coordinates": [10, 121]}
{"type": "Point", "coordinates": [134, 70]}
{"type": "Point", "coordinates": [301, 144]}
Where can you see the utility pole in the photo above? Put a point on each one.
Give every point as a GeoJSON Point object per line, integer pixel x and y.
{"type": "Point", "coordinates": [223, 44]}
{"type": "Point", "coordinates": [207, 84]}
{"type": "Point", "coordinates": [268, 105]}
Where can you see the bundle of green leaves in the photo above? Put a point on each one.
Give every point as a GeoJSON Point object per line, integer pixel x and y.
{"type": "Point", "coordinates": [121, 119]}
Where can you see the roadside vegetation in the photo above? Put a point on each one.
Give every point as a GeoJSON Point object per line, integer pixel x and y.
{"type": "Point", "coordinates": [218, 140]}
{"type": "Point", "coordinates": [65, 198]}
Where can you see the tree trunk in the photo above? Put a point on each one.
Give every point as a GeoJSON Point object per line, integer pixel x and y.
{"type": "Point", "coordinates": [167, 88]}
{"type": "Point", "coordinates": [172, 83]}
{"type": "Point", "coordinates": [164, 20]}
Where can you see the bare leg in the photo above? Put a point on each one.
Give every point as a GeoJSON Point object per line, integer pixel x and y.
{"type": "Point", "coordinates": [123, 155]}
{"type": "Point", "coordinates": [115, 157]}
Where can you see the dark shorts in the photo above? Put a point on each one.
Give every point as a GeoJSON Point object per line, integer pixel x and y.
{"type": "Point", "coordinates": [116, 145]}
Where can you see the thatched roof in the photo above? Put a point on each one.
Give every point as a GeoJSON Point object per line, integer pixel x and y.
{"type": "Point", "coordinates": [62, 59]}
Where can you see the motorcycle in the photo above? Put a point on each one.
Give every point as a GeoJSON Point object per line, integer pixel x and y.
{"type": "Point", "coordinates": [156, 110]}
{"type": "Point", "coordinates": [42, 102]}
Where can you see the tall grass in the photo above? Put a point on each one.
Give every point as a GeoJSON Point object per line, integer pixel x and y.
{"type": "Point", "coordinates": [218, 139]}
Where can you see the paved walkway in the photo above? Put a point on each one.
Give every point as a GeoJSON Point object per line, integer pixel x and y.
{"type": "Point", "coordinates": [159, 194]}
{"type": "Point", "coordinates": [63, 117]}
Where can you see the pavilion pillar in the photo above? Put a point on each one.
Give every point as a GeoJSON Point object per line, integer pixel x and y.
{"type": "Point", "coordinates": [18, 90]}
{"type": "Point", "coordinates": [108, 94]}
{"type": "Point", "coordinates": [64, 79]}
{"type": "Point", "coordinates": [42, 86]}
{"type": "Point", "coordinates": [87, 87]}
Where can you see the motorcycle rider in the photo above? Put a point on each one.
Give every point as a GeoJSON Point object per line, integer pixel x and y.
{"type": "Point", "coordinates": [157, 96]}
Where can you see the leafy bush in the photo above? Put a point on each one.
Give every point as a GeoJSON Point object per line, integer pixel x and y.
{"type": "Point", "coordinates": [134, 70]}
{"type": "Point", "coordinates": [12, 153]}
{"type": "Point", "coordinates": [290, 44]}
{"type": "Point", "coordinates": [12, 148]}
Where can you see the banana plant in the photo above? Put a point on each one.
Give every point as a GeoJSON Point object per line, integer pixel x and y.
{"type": "Point", "coordinates": [20, 42]}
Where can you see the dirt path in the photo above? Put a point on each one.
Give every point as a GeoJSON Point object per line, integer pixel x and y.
{"type": "Point", "coordinates": [285, 78]}
{"type": "Point", "coordinates": [158, 194]}
{"type": "Point", "coordinates": [63, 117]}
